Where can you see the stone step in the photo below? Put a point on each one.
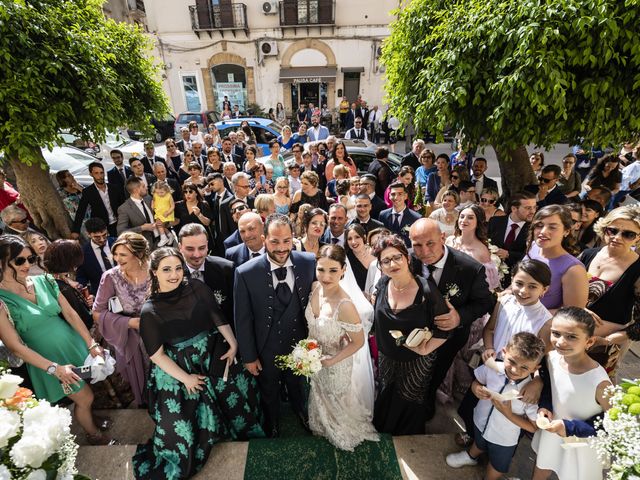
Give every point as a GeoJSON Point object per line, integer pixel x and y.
{"type": "Point", "coordinates": [130, 426]}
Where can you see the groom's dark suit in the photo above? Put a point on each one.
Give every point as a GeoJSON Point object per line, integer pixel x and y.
{"type": "Point", "coordinates": [265, 327]}
{"type": "Point", "coordinates": [472, 300]}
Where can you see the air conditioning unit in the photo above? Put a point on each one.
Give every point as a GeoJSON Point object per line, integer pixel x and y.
{"type": "Point", "coordinates": [268, 48]}
{"type": "Point", "coordinates": [270, 7]}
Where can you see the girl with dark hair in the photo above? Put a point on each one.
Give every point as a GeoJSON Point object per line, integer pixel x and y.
{"type": "Point", "coordinates": [43, 329]}
{"type": "Point", "coordinates": [197, 392]}
{"type": "Point", "coordinates": [591, 212]}
{"type": "Point", "coordinates": [407, 176]}
{"type": "Point", "coordinates": [250, 154]}
{"type": "Point", "coordinates": [358, 253]}
{"type": "Point", "coordinates": [438, 179]}
{"type": "Point", "coordinates": [470, 237]}
{"type": "Point", "coordinates": [193, 209]}
{"type": "Point", "coordinates": [404, 302]}
{"type": "Point", "coordinates": [605, 173]}
{"type": "Point", "coordinates": [314, 224]}
{"type": "Point", "coordinates": [335, 410]}
{"type": "Point", "coordinates": [340, 156]}
{"type": "Point", "coordinates": [550, 241]}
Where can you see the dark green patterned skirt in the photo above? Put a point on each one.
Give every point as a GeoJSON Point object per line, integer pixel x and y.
{"type": "Point", "coordinates": [187, 426]}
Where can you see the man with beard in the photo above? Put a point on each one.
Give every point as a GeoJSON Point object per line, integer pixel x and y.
{"type": "Point", "coordinates": [269, 323]}
{"type": "Point", "coordinates": [462, 281]}
{"type": "Point", "coordinates": [317, 131]}
{"type": "Point", "coordinates": [103, 201]}
{"type": "Point", "coordinates": [215, 272]}
{"type": "Point", "coordinates": [97, 257]}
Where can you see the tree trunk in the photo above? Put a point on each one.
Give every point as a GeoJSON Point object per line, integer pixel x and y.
{"type": "Point", "coordinates": [40, 196]}
{"type": "Point", "coordinates": [515, 170]}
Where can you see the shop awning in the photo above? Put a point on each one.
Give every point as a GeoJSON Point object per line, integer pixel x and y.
{"type": "Point", "coordinates": [352, 69]}
{"type": "Point", "coordinates": [307, 74]}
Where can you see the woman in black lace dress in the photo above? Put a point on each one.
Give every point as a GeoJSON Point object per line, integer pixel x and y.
{"type": "Point", "coordinates": [198, 394]}
{"type": "Point", "coordinates": [403, 302]}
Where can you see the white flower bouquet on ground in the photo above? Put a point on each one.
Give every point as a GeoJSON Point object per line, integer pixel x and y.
{"type": "Point", "coordinates": [35, 438]}
{"type": "Point", "coordinates": [618, 436]}
{"type": "Point", "coordinates": [305, 359]}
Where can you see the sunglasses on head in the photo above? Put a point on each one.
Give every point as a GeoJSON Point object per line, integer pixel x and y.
{"type": "Point", "coordinates": [626, 234]}
{"type": "Point", "coordinates": [490, 201]}
{"type": "Point", "coordinates": [19, 261]}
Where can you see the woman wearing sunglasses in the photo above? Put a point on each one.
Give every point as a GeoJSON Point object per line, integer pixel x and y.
{"type": "Point", "coordinates": [193, 209]}
{"type": "Point", "coordinates": [488, 203]}
{"type": "Point", "coordinates": [614, 285]}
{"type": "Point", "coordinates": [46, 332]}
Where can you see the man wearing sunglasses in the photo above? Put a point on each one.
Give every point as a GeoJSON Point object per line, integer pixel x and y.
{"type": "Point", "coordinates": [15, 219]}
{"type": "Point", "coordinates": [238, 209]}
{"type": "Point", "coordinates": [548, 192]}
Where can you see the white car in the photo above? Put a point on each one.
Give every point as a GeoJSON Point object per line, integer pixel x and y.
{"type": "Point", "coordinates": [118, 141]}
{"type": "Point", "coordinates": [74, 160]}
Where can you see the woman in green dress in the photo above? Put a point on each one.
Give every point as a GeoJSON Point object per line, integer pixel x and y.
{"type": "Point", "coordinates": [50, 345]}
{"type": "Point", "coordinates": [198, 394]}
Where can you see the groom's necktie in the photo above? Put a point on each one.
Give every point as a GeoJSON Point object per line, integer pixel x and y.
{"type": "Point", "coordinates": [283, 292]}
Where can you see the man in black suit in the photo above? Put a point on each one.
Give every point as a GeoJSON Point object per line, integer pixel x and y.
{"type": "Point", "coordinates": [368, 187]}
{"type": "Point", "coordinates": [479, 179]}
{"type": "Point", "coordinates": [238, 209]}
{"type": "Point", "coordinates": [363, 214]}
{"type": "Point", "coordinates": [250, 228]}
{"type": "Point", "coordinates": [226, 155]}
{"type": "Point", "coordinates": [118, 175]}
{"type": "Point", "coordinates": [350, 118]}
{"type": "Point", "coordinates": [185, 141]}
{"type": "Point", "coordinates": [138, 171]}
{"type": "Point", "coordinates": [381, 170]}
{"type": "Point", "coordinates": [399, 217]}
{"type": "Point", "coordinates": [215, 272]}
{"type": "Point", "coordinates": [199, 155]}
{"type": "Point", "coordinates": [462, 280]}
{"type": "Point", "coordinates": [97, 254]}
{"type": "Point", "coordinates": [241, 186]}
{"type": "Point", "coordinates": [412, 159]}
{"type": "Point", "coordinates": [268, 323]}
{"type": "Point", "coordinates": [104, 202]}
{"type": "Point", "coordinates": [337, 223]}
{"type": "Point", "coordinates": [160, 172]}
{"type": "Point", "coordinates": [509, 232]}
{"type": "Point", "coordinates": [150, 158]}
{"type": "Point", "coordinates": [547, 192]}
{"type": "Point", "coordinates": [216, 197]}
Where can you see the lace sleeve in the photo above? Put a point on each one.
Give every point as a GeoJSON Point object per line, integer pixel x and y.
{"type": "Point", "coordinates": [349, 327]}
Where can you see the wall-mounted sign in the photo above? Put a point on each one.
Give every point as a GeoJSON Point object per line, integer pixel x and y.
{"type": "Point", "coordinates": [295, 81]}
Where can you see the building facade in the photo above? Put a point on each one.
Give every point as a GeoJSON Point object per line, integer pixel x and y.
{"type": "Point", "coordinates": [268, 51]}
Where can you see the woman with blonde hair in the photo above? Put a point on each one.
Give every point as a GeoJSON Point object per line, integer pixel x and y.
{"type": "Point", "coordinates": [116, 309]}
{"type": "Point", "coordinates": [447, 215]}
{"type": "Point", "coordinates": [38, 244]}
{"type": "Point", "coordinates": [281, 197]}
{"type": "Point", "coordinates": [265, 205]}
{"type": "Point", "coordinates": [286, 139]}
{"type": "Point", "coordinates": [614, 285]}
{"type": "Point", "coordinates": [488, 201]}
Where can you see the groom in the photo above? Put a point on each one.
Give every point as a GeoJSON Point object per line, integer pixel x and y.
{"type": "Point", "coordinates": [270, 295]}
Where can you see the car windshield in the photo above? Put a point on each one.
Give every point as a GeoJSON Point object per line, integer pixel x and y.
{"type": "Point", "coordinates": [189, 117]}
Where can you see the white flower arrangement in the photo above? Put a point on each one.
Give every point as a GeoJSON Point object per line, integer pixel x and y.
{"type": "Point", "coordinates": [618, 436]}
{"type": "Point", "coordinates": [35, 437]}
{"type": "Point", "coordinates": [503, 268]}
{"type": "Point", "coordinates": [452, 290]}
{"type": "Point", "coordinates": [305, 359]}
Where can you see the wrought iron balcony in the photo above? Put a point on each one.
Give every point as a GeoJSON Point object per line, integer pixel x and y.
{"type": "Point", "coordinates": [206, 17]}
{"type": "Point", "coordinates": [307, 13]}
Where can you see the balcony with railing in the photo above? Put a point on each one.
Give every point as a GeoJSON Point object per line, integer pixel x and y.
{"type": "Point", "coordinates": [307, 13]}
{"type": "Point", "coordinates": [209, 18]}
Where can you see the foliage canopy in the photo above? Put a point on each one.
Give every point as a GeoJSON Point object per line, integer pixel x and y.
{"type": "Point", "coordinates": [513, 73]}
{"type": "Point", "coordinates": [64, 65]}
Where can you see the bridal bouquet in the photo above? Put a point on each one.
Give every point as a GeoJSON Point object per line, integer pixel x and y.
{"type": "Point", "coordinates": [304, 360]}
{"type": "Point", "coordinates": [618, 439]}
{"type": "Point", "coordinates": [35, 438]}
{"type": "Point", "coordinates": [503, 268]}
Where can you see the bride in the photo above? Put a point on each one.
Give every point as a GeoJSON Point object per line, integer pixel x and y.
{"type": "Point", "coordinates": [341, 396]}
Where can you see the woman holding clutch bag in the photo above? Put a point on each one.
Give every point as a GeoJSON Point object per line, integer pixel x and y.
{"type": "Point", "coordinates": [404, 303]}
{"type": "Point", "coordinates": [198, 393]}
{"type": "Point", "coordinates": [116, 308]}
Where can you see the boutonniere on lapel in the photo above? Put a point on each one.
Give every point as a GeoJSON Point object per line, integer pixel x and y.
{"type": "Point", "coordinates": [219, 296]}
{"type": "Point", "coordinates": [452, 291]}
{"type": "Point", "coordinates": [406, 229]}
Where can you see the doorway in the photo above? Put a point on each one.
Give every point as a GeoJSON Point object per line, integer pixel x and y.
{"type": "Point", "coordinates": [309, 93]}
{"type": "Point", "coordinates": [351, 85]}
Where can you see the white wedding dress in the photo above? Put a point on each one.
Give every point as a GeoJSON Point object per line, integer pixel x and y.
{"type": "Point", "coordinates": [341, 396]}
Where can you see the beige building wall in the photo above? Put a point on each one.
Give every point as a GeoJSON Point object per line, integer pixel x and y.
{"type": "Point", "coordinates": [360, 26]}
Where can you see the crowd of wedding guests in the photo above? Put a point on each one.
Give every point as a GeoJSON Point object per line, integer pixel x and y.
{"type": "Point", "coordinates": [197, 270]}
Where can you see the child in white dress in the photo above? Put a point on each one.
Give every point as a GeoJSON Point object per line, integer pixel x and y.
{"type": "Point", "coordinates": [572, 397]}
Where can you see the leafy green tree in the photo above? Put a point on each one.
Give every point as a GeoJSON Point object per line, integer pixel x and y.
{"type": "Point", "coordinates": [514, 73]}
{"type": "Point", "coordinates": [64, 65]}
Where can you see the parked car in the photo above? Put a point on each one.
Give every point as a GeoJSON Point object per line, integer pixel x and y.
{"type": "Point", "coordinates": [73, 140]}
{"type": "Point", "coordinates": [204, 119]}
{"type": "Point", "coordinates": [163, 128]}
{"type": "Point", "coordinates": [128, 147]}
{"type": "Point", "coordinates": [74, 160]}
{"type": "Point", "coordinates": [361, 151]}
{"type": "Point", "coordinates": [264, 130]}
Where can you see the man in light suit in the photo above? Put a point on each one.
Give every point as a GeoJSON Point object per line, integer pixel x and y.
{"type": "Point", "coordinates": [399, 218]}
{"type": "Point", "coordinates": [317, 131]}
{"type": "Point", "coordinates": [250, 229]}
{"type": "Point", "coordinates": [215, 272]}
{"type": "Point", "coordinates": [268, 324]}
{"type": "Point", "coordinates": [97, 254]}
{"type": "Point", "coordinates": [135, 214]}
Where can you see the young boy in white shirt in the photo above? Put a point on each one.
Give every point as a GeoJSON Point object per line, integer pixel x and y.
{"type": "Point", "coordinates": [497, 423]}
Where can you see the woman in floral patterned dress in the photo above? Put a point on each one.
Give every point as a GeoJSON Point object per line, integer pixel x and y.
{"type": "Point", "coordinates": [198, 394]}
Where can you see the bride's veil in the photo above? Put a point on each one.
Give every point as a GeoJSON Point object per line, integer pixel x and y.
{"type": "Point", "coordinates": [362, 373]}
